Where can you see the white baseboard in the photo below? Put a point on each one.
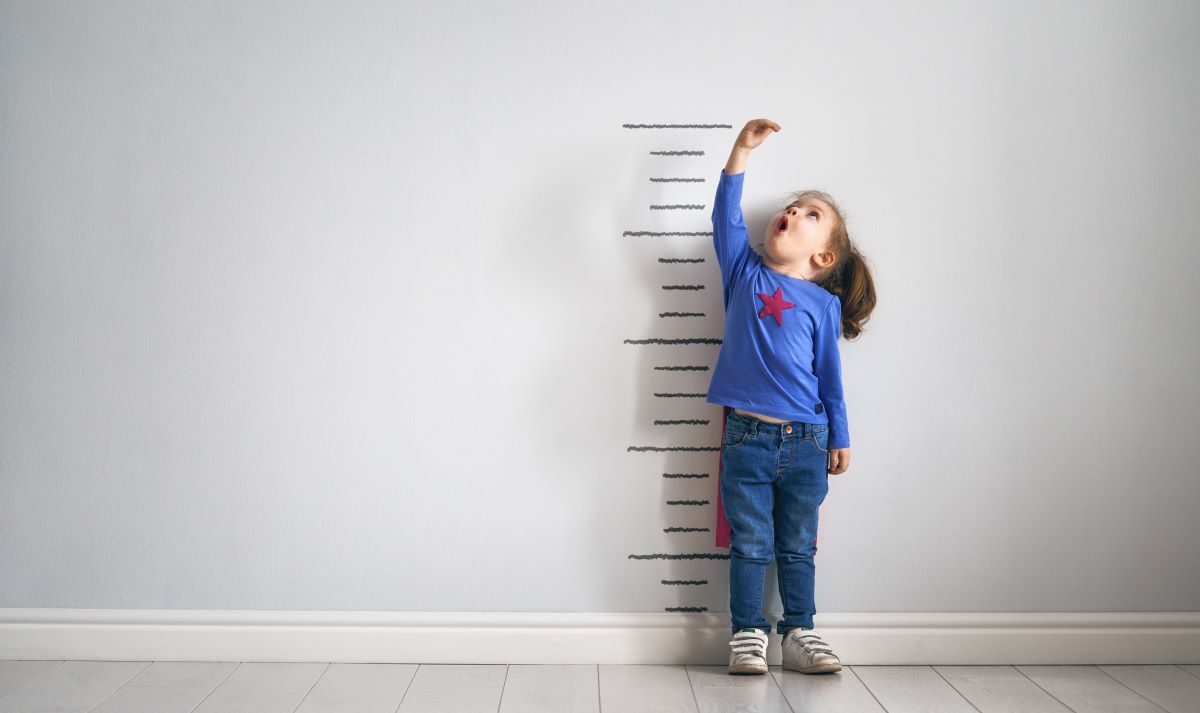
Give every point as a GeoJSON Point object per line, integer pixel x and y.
{"type": "Point", "coordinates": [572, 638]}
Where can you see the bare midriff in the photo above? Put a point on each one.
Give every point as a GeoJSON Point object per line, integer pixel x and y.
{"type": "Point", "coordinates": [764, 417]}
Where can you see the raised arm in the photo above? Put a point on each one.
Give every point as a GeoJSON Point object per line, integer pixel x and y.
{"type": "Point", "coordinates": [730, 239]}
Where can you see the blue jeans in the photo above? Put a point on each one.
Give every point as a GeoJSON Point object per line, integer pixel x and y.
{"type": "Point", "coordinates": [774, 477]}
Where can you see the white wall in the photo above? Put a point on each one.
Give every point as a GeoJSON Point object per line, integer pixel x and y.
{"type": "Point", "coordinates": [322, 305]}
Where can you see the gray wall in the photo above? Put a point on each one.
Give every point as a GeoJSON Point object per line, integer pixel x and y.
{"type": "Point", "coordinates": [323, 305]}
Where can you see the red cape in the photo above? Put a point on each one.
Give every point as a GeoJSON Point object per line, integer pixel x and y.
{"type": "Point", "coordinates": [722, 523]}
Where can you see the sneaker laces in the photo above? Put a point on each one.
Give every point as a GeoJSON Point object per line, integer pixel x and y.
{"type": "Point", "coordinates": [810, 640]}
{"type": "Point", "coordinates": [749, 642]}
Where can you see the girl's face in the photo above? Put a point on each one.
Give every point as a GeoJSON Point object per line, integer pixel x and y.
{"type": "Point", "coordinates": [799, 232]}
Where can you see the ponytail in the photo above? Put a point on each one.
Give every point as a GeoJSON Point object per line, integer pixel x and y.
{"type": "Point", "coordinates": [851, 281]}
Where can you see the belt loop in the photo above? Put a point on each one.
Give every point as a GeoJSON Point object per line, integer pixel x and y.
{"type": "Point", "coordinates": [808, 430]}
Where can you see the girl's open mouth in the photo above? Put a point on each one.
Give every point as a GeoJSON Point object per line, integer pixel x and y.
{"type": "Point", "coordinates": [782, 225]}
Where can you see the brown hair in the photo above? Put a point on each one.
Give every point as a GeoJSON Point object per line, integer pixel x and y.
{"type": "Point", "coordinates": [850, 276]}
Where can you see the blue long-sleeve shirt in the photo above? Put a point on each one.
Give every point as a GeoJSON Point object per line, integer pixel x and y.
{"type": "Point", "coordinates": [779, 356]}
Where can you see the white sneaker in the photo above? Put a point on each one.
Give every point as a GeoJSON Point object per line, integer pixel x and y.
{"type": "Point", "coordinates": [748, 652]}
{"type": "Point", "coordinates": [806, 652]}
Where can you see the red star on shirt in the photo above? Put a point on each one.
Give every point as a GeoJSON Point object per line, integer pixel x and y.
{"type": "Point", "coordinates": [775, 305]}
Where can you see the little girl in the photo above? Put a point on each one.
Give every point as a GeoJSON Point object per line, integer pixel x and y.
{"type": "Point", "coordinates": [778, 377]}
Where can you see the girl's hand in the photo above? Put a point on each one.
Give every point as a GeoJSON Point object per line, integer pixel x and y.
{"type": "Point", "coordinates": [839, 460]}
{"type": "Point", "coordinates": [754, 132]}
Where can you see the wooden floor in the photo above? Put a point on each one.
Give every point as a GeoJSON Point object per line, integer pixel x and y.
{"type": "Point", "coordinates": [253, 687]}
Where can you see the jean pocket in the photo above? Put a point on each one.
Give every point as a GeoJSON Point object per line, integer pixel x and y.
{"type": "Point", "coordinates": [733, 439]}
{"type": "Point", "coordinates": [821, 438]}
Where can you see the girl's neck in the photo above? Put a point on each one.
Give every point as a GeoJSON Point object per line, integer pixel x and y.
{"type": "Point", "coordinates": [795, 272]}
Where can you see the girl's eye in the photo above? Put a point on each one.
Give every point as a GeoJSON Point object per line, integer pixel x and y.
{"type": "Point", "coordinates": [813, 212]}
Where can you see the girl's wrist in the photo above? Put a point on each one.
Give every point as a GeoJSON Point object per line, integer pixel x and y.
{"type": "Point", "coordinates": [737, 160]}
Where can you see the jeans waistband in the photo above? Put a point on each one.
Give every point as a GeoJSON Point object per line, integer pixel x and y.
{"type": "Point", "coordinates": [793, 429]}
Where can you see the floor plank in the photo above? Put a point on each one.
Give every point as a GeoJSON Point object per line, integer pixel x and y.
{"type": "Point", "coordinates": [168, 687]}
{"type": "Point", "coordinates": [646, 689]}
{"type": "Point", "coordinates": [840, 692]}
{"type": "Point", "coordinates": [72, 687]}
{"type": "Point", "coordinates": [1002, 689]}
{"type": "Point", "coordinates": [920, 689]}
{"type": "Point", "coordinates": [360, 688]}
{"type": "Point", "coordinates": [16, 674]}
{"type": "Point", "coordinates": [1087, 689]}
{"type": "Point", "coordinates": [718, 691]}
{"type": "Point", "coordinates": [1169, 686]}
{"type": "Point", "coordinates": [263, 687]}
{"type": "Point", "coordinates": [455, 688]}
{"type": "Point", "coordinates": [548, 688]}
